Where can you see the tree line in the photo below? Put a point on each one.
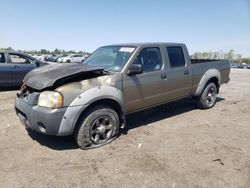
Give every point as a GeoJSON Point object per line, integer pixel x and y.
{"type": "Point", "coordinates": [230, 55]}
{"type": "Point", "coordinates": [44, 51]}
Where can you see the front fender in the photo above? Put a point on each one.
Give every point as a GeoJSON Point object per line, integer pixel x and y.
{"type": "Point", "coordinates": [82, 101]}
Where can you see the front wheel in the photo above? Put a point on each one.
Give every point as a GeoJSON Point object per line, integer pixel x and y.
{"type": "Point", "coordinates": [208, 97]}
{"type": "Point", "coordinates": [97, 127]}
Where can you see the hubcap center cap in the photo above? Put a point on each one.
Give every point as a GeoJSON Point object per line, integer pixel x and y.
{"type": "Point", "coordinates": [102, 129]}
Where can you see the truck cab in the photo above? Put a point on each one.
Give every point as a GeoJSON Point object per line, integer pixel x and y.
{"type": "Point", "coordinates": [166, 75]}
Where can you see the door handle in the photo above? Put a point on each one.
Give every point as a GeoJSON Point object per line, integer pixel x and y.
{"type": "Point", "coordinates": [163, 76]}
{"type": "Point", "coordinates": [186, 72]}
{"type": "Point", "coordinates": [16, 66]}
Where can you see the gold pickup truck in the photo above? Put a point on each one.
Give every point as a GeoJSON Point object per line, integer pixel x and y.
{"type": "Point", "coordinates": [91, 99]}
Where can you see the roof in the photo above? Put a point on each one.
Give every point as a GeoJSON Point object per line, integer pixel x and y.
{"type": "Point", "coordinates": [18, 53]}
{"type": "Point", "coordinates": [145, 43]}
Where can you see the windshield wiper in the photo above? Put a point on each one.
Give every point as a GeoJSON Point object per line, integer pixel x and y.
{"type": "Point", "coordinates": [105, 71]}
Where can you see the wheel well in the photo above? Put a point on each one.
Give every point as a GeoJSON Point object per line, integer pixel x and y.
{"type": "Point", "coordinates": [215, 81]}
{"type": "Point", "coordinates": [107, 102]}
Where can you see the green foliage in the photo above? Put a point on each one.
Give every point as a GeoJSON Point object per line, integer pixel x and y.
{"type": "Point", "coordinates": [230, 55]}
{"type": "Point", "coordinates": [7, 49]}
{"type": "Point", "coordinates": [44, 51]}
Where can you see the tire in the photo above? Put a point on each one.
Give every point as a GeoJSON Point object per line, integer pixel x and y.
{"type": "Point", "coordinates": [208, 97]}
{"type": "Point", "coordinates": [68, 61]}
{"type": "Point", "coordinates": [97, 127]}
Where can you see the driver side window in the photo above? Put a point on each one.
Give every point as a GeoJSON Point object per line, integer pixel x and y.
{"type": "Point", "coordinates": [19, 59]}
{"type": "Point", "coordinates": [150, 59]}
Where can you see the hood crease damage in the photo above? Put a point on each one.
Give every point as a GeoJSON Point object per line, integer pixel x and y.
{"type": "Point", "coordinates": [52, 76]}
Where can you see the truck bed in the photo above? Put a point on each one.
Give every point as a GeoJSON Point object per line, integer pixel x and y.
{"type": "Point", "coordinates": [201, 66]}
{"type": "Point", "coordinates": [195, 61]}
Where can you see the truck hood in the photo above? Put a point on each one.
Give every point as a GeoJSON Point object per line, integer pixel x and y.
{"type": "Point", "coordinates": [59, 74]}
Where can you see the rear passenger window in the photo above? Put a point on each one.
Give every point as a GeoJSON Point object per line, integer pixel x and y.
{"type": "Point", "coordinates": [2, 58]}
{"type": "Point", "coordinates": [176, 57]}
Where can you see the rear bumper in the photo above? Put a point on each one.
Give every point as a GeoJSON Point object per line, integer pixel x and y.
{"type": "Point", "coordinates": [39, 119]}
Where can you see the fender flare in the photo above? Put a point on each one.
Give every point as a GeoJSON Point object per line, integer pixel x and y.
{"type": "Point", "coordinates": [211, 73]}
{"type": "Point", "coordinates": [85, 99]}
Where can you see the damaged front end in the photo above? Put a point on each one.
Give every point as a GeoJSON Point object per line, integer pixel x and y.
{"type": "Point", "coordinates": [53, 76]}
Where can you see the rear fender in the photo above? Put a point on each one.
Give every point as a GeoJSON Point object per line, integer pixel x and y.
{"type": "Point", "coordinates": [207, 76]}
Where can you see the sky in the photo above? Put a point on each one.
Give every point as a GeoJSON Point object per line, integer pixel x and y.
{"type": "Point", "coordinates": [213, 25]}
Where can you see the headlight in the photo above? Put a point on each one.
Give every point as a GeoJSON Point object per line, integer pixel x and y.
{"type": "Point", "coordinates": [50, 99]}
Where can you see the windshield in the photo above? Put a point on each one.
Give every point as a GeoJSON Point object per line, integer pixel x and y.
{"type": "Point", "coordinates": [112, 58]}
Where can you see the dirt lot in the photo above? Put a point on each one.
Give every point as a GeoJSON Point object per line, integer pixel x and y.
{"type": "Point", "coordinates": [175, 145]}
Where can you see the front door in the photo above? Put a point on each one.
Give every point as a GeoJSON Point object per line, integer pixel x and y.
{"type": "Point", "coordinates": [144, 90]}
{"type": "Point", "coordinates": [21, 65]}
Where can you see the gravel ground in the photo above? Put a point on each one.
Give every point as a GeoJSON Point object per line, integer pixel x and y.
{"type": "Point", "coordinates": [174, 145]}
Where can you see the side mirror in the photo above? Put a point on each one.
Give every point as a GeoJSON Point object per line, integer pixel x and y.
{"type": "Point", "coordinates": [135, 69]}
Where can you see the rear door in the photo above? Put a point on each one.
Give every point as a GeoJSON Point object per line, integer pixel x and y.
{"type": "Point", "coordinates": [144, 90]}
{"type": "Point", "coordinates": [20, 65]}
{"type": "Point", "coordinates": [179, 74]}
{"type": "Point", "coordinates": [5, 71]}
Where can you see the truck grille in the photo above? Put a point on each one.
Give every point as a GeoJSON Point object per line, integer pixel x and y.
{"type": "Point", "coordinates": [24, 91]}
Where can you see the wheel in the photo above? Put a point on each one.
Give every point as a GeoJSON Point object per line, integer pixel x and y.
{"type": "Point", "coordinates": [208, 97]}
{"type": "Point", "coordinates": [97, 127]}
{"type": "Point", "coordinates": [68, 61]}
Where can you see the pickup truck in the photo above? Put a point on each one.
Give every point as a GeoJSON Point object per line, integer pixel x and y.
{"type": "Point", "coordinates": [91, 100]}
{"type": "Point", "coordinates": [14, 66]}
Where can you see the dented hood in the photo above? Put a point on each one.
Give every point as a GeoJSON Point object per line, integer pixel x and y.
{"type": "Point", "coordinates": [54, 75]}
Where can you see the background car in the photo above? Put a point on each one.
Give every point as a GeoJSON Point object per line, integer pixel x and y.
{"type": "Point", "coordinates": [242, 66]}
{"type": "Point", "coordinates": [73, 58]}
{"type": "Point", "coordinates": [56, 57]}
{"type": "Point", "coordinates": [234, 65]}
{"type": "Point", "coordinates": [14, 66]}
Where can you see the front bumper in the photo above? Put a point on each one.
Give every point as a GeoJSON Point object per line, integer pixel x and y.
{"type": "Point", "coordinates": [39, 119]}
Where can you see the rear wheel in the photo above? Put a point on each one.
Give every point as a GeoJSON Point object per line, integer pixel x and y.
{"type": "Point", "coordinates": [97, 127]}
{"type": "Point", "coordinates": [68, 61]}
{"type": "Point", "coordinates": [208, 97]}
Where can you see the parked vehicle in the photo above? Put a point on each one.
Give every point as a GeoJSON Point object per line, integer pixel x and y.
{"type": "Point", "coordinates": [42, 57]}
{"type": "Point", "coordinates": [73, 58]}
{"type": "Point", "coordinates": [91, 100]}
{"type": "Point", "coordinates": [56, 57]}
{"type": "Point", "coordinates": [36, 56]}
{"type": "Point", "coordinates": [14, 66]}
{"type": "Point", "coordinates": [48, 57]}
{"type": "Point", "coordinates": [234, 65]}
{"type": "Point", "coordinates": [242, 66]}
